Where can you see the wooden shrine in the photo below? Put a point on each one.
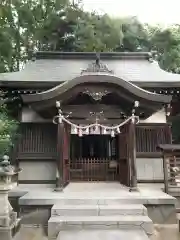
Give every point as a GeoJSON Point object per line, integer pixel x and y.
{"type": "Point", "coordinates": [85, 117]}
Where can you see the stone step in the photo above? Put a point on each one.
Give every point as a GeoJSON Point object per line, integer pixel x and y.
{"type": "Point", "coordinates": [66, 223]}
{"type": "Point", "coordinates": [103, 234]}
{"type": "Point", "coordinates": [98, 210]}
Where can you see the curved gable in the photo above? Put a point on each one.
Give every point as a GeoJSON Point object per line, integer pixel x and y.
{"type": "Point", "coordinates": [96, 78]}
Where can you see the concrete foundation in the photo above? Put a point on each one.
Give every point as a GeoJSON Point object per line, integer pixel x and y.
{"type": "Point", "coordinates": [113, 204]}
{"type": "Point", "coordinates": [160, 206]}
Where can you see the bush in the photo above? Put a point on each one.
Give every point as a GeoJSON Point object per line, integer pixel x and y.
{"type": "Point", "coordinates": [8, 131]}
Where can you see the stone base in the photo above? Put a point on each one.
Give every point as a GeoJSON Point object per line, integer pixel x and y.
{"type": "Point", "coordinates": [162, 214]}
{"type": "Point", "coordinates": [7, 233]}
{"type": "Point", "coordinates": [58, 189]}
{"type": "Point", "coordinates": [133, 189]}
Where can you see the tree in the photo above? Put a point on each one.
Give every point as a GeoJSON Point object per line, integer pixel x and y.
{"type": "Point", "coordinates": [8, 128]}
{"type": "Point", "coordinates": [135, 37]}
{"type": "Point", "coordinates": [166, 42]}
{"type": "Point", "coordinates": [28, 25]}
{"type": "Point", "coordinates": [97, 33]}
{"type": "Point", "coordinates": [62, 25]}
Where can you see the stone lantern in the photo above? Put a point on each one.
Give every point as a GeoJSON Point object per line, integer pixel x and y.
{"type": "Point", "coordinates": [8, 218]}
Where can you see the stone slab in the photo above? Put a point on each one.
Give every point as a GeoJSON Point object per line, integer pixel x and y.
{"type": "Point", "coordinates": [93, 194]}
{"type": "Point", "coordinates": [123, 209]}
{"type": "Point", "coordinates": [51, 198]}
{"type": "Point", "coordinates": [103, 234]}
{"type": "Point", "coordinates": [98, 210]}
{"type": "Point", "coordinates": [74, 210]}
{"type": "Point", "coordinates": [61, 223]}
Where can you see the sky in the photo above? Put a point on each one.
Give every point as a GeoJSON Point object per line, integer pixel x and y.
{"type": "Point", "coordinates": [164, 12]}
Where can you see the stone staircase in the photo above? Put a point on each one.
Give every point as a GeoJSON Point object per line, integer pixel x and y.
{"type": "Point", "coordinates": [99, 221]}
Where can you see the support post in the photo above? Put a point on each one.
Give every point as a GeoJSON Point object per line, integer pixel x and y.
{"type": "Point", "coordinates": [59, 160]}
{"type": "Point", "coordinates": [132, 156]}
{"type": "Point", "coordinates": [165, 172]}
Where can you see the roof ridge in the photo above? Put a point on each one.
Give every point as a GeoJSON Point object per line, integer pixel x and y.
{"type": "Point", "coordinates": [90, 55]}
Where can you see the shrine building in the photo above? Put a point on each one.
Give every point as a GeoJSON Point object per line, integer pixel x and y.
{"type": "Point", "coordinates": [91, 117]}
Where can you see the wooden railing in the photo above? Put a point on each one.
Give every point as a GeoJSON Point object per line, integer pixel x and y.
{"type": "Point", "coordinates": [171, 172]}
{"type": "Point", "coordinates": [39, 140]}
{"type": "Point", "coordinates": [92, 169]}
{"type": "Point", "coordinates": [148, 137]}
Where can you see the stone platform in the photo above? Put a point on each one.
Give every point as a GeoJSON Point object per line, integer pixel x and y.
{"type": "Point", "coordinates": [104, 193]}
{"type": "Point", "coordinates": [160, 206]}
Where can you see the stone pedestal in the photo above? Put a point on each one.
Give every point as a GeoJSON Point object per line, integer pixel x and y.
{"type": "Point", "coordinates": [8, 218]}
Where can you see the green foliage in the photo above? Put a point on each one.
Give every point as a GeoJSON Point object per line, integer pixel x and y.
{"type": "Point", "coordinates": [62, 25]}
{"type": "Point", "coordinates": [167, 44]}
{"type": "Point", "coordinates": [97, 33]}
{"type": "Point", "coordinates": [8, 131]}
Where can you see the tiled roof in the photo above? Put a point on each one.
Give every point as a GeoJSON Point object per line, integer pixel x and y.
{"type": "Point", "coordinates": [60, 67]}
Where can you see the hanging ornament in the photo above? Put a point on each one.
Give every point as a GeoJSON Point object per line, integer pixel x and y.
{"type": "Point", "coordinates": [104, 131]}
{"type": "Point", "coordinates": [118, 130]}
{"type": "Point", "coordinates": [96, 128]}
{"type": "Point", "coordinates": [87, 131]}
{"type": "Point", "coordinates": [112, 133]}
{"type": "Point", "coordinates": [75, 130]}
{"type": "Point", "coordinates": [80, 133]}
{"type": "Point", "coordinates": [58, 104]}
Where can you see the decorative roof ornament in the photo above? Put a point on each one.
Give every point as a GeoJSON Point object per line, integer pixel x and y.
{"type": "Point", "coordinates": [97, 96]}
{"type": "Point", "coordinates": [97, 66]}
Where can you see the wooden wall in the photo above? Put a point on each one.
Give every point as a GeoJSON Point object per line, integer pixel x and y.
{"type": "Point", "coordinates": [148, 137]}
{"type": "Point", "coordinates": [36, 151]}
{"type": "Point", "coordinates": [38, 140]}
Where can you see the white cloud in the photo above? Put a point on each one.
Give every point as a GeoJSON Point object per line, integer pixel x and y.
{"type": "Point", "coordinates": [154, 11]}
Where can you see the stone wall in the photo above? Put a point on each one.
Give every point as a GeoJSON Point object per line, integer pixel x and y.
{"type": "Point", "coordinates": [37, 170]}
{"type": "Point", "coordinates": [150, 169]}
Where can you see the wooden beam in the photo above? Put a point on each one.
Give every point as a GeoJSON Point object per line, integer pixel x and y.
{"type": "Point", "coordinates": [59, 161]}
{"type": "Point", "coordinates": [151, 181]}
{"type": "Point", "coordinates": [148, 155]}
{"type": "Point", "coordinates": [37, 181]}
{"type": "Point", "coordinates": [83, 111]}
{"type": "Point", "coordinates": [165, 173]}
{"type": "Point", "coordinates": [122, 94]}
{"type": "Point", "coordinates": [132, 156]}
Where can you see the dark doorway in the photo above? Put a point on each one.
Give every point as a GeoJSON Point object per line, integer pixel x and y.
{"type": "Point", "coordinates": [94, 146]}
{"type": "Point", "coordinates": [94, 158]}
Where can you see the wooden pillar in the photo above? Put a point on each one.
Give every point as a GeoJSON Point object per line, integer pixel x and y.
{"type": "Point", "coordinates": [165, 172]}
{"type": "Point", "coordinates": [59, 160]}
{"type": "Point", "coordinates": [132, 156]}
